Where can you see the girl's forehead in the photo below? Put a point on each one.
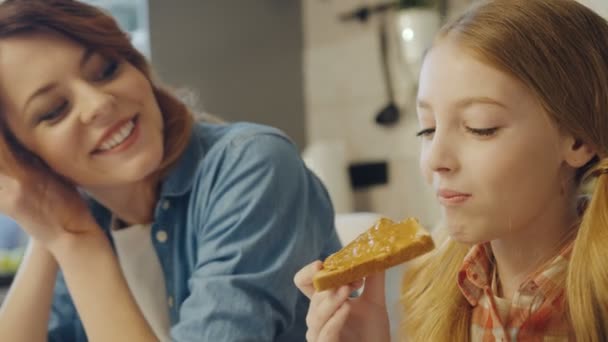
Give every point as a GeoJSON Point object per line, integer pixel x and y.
{"type": "Point", "coordinates": [449, 82]}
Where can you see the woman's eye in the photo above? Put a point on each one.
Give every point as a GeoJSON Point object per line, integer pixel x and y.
{"type": "Point", "coordinates": [426, 132]}
{"type": "Point", "coordinates": [55, 113]}
{"type": "Point", "coordinates": [109, 70]}
{"type": "Point", "coordinates": [484, 132]}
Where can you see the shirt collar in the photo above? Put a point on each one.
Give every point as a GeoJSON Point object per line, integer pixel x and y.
{"type": "Point", "coordinates": [181, 177]}
{"type": "Point", "coordinates": [179, 180]}
{"type": "Point", "coordinates": [475, 275]}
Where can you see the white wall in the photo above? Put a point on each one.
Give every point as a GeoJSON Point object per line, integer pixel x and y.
{"type": "Point", "coordinates": [343, 91]}
{"type": "Point", "coordinates": [600, 6]}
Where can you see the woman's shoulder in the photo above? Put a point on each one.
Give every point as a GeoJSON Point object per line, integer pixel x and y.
{"type": "Point", "coordinates": [218, 151]}
{"type": "Point", "coordinates": [242, 160]}
{"type": "Point", "coordinates": [242, 143]}
{"type": "Point", "coordinates": [219, 135]}
{"type": "Point", "coordinates": [230, 147]}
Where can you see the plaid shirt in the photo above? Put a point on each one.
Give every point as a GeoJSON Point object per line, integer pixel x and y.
{"type": "Point", "coordinates": [536, 311]}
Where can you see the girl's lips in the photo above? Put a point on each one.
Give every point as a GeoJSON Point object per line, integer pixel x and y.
{"type": "Point", "coordinates": [451, 197]}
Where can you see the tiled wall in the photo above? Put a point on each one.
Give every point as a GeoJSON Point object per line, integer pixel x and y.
{"type": "Point", "coordinates": [344, 90]}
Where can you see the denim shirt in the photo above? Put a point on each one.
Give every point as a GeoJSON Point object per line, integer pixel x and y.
{"type": "Point", "coordinates": [237, 216]}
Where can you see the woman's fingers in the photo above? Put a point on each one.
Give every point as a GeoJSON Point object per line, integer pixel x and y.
{"type": "Point", "coordinates": [303, 279]}
{"type": "Point", "coordinates": [323, 306]}
{"type": "Point", "coordinates": [3, 180]}
{"type": "Point", "coordinates": [8, 187]}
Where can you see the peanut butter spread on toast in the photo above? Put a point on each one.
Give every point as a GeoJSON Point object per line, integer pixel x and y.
{"type": "Point", "coordinates": [383, 238]}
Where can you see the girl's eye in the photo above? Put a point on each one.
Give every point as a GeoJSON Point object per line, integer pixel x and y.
{"type": "Point", "coordinates": [426, 132]}
{"type": "Point", "coordinates": [109, 70]}
{"type": "Point", "coordinates": [484, 132]}
{"type": "Point", "coordinates": [55, 113]}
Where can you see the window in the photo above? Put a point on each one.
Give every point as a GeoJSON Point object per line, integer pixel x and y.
{"type": "Point", "coordinates": [132, 16]}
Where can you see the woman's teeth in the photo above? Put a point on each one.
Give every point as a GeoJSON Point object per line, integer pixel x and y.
{"type": "Point", "coordinates": [118, 138]}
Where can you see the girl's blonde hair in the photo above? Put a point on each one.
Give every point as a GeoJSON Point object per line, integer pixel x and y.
{"type": "Point", "coordinates": [97, 30]}
{"type": "Point", "coordinates": [559, 50]}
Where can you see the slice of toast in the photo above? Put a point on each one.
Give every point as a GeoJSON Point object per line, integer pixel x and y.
{"type": "Point", "coordinates": [384, 245]}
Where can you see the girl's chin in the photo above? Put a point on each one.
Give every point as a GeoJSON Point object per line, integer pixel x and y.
{"type": "Point", "coordinates": [464, 236]}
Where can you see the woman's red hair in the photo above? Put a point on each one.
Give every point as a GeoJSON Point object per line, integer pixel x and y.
{"type": "Point", "coordinates": [97, 30]}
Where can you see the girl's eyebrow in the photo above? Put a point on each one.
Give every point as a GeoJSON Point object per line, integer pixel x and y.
{"type": "Point", "coordinates": [466, 102]}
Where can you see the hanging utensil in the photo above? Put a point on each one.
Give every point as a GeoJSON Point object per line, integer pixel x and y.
{"type": "Point", "coordinates": [389, 115]}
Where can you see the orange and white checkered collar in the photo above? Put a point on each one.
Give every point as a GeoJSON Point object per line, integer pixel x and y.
{"type": "Point", "coordinates": [475, 275]}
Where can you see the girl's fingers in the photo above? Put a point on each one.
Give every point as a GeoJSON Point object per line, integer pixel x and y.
{"type": "Point", "coordinates": [374, 290]}
{"type": "Point", "coordinates": [303, 279]}
{"type": "Point", "coordinates": [354, 286]}
{"type": "Point", "coordinates": [332, 330]}
{"type": "Point", "coordinates": [323, 306]}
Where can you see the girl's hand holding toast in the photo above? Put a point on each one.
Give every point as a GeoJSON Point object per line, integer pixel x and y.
{"type": "Point", "coordinates": [334, 316]}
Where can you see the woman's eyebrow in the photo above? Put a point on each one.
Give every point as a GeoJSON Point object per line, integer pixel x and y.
{"type": "Point", "coordinates": [86, 55]}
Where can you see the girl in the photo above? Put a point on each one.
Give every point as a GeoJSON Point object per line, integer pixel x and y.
{"type": "Point", "coordinates": [162, 228]}
{"type": "Point", "coordinates": [513, 114]}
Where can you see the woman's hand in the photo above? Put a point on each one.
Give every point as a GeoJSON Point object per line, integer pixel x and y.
{"type": "Point", "coordinates": [333, 316]}
{"type": "Point", "coordinates": [42, 203]}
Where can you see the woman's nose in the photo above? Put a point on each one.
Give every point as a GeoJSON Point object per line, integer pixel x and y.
{"type": "Point", "coordinates": [97, 105]}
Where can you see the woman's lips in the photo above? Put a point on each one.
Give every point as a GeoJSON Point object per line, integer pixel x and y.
{"type": "Point", "coordinates": [126, 143]}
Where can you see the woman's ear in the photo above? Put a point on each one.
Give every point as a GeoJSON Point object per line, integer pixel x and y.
{"type": "Point", "coordinates": [577, 152]}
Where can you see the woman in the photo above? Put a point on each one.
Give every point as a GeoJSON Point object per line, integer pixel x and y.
{"type": "Point", "coordinates": [163, 228]}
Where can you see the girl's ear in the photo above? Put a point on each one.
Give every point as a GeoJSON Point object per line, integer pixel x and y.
{"type": "Point", "coordinates": [577, 152]}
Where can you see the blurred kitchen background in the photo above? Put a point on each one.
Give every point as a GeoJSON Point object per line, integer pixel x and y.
{"type": "Point", "coordinates": [338, 76]}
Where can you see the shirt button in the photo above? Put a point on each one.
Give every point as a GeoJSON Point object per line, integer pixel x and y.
{"type": "Point", "coordinates": [166, 205]}
{"type": "Point", "coordinates": [170, 301]}
{"type": "Point", "coordinates": [161, 236]}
